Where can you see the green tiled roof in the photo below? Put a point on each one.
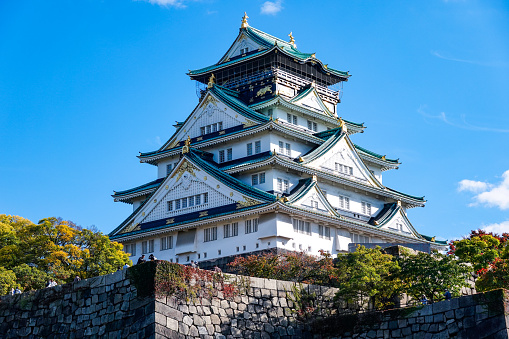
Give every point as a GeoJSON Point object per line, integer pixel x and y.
{"type": "Point", "coordinates": [323, 148]}
{"type": "Point", "coordinates": [376, 155]}
{"type": "Point", "coordinates": [149, 185]}
{"type": "Point", "coordinates": [228, 179]}
{"type": "Point", "coordinates": [269, 42]}
{"type": "Point", "coordinates": [407, 195]}
{"type": "Point", "coordinates": [230, 98]}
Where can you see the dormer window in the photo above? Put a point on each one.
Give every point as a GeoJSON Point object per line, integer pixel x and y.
{"type": "Point", "coordinates": [244, 50]}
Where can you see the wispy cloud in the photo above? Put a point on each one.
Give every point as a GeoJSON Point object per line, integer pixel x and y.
{"type": "Point", "coordinates": [458, 123]}
{"type": "Point", "coordinates": [445, 56]}
{"type": "Point", "coordinates": [271, 7]}
{"type": "Point", "coordinates": [168, 3]}
{"type": "Point", "coordinates": [473, 186]}
{"type": "Point", "coordinates": [503, 227]}
{"type": "Point", "coordinates": [490, 195]}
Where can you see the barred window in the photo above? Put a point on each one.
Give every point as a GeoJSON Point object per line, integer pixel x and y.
{"type": "Point", "coordinates": [258, 147]}
{"type": "Point", "coordinates": [166, 243]}
{"type": "Point", "coordinates": [229, 154]}
{"type": "Point", "coordinates": [301, 226]}
{"type": "Point", "coordinates": [231, 230]}
{"type": "Point", "coordinates": [249, 149]}
{"type": "Point", "coordinates": [251, 225]}
{"type": "Point", "coordinates": [210, 234]}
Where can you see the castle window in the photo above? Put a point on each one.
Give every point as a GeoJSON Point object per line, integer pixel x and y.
{"type": "Point", "coordinates": [258, 178]}
{"type": "Point", "coordinates": [244, 50]}
{"type": "Point", "coordinates": [210, 234]}
{"type": "Point", "coordinates": [214, 128]}
{"type": "Point", "coordinates": [281, 147]}
{"type": "Point", "coordinates": [177, 204]}
{"type": "Point", "coordinates": [130, 248]}
{"type": "Point", "coordinates": [221, 156]}
{"type": "Point", "coordinates": [205, 198]}
{"type": "Point", "coordinates": [168, 169]}
{"type": "Point", "coordinates": [191, 201]}
{"type": "Point", "coordinates": [218, 252]}
{"type": "Point", "coordinates": [282, 185]}
{"type": "Point", "coordinates": [184, 202]}
{"type": "Point", "coordinates": [357, 238]}
{"type": "Point", "coordinates": [202, 130]}
{"type": "Point", "coordinates": [231, 230]}
{"type": "Point", "coordinates": [147, 246]}
{"type": "Point", "coordinates": [312, 126]}
{"type": "Point", "coordinates": [229, 154]}
{"type": "Point", "coordinates": [197, 199]}
{"type": "Point", "coordinates": [348, 170]}
{"type": "Point", "coordinates": [166, 243]}
{"type": "Point", "coordinates": [344, 202]}
{"type": "Point", "coordinates": [258, 147]}
{"type": "Point", "coordinates": [251, 226]}
{"type": "Point", "coordinates": [209, 129]}
{"type": "Point", "coordinates": [288, 149]}
{"type": "Point", "coordinates": [170, 205]}
{"type": "Point", "coordinates": [204, 254]}
{"type": "Point", "coordinates": [324, 232]}
{"type": "Point", "coordinates": [301, 226]}
{"type": "Point", "coordinates": [292, 119]}
{"type": "Point", "coordinates": [220, 126]}
{"type": "Point", "coordinates": [249, 149]}
{"type": "Point", "coordinates": [366, 208]}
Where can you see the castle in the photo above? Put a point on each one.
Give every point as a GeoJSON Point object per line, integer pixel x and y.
{"type": "Point", "coordinates": [265, 162]}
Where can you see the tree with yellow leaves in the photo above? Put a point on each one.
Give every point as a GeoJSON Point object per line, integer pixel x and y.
{"type": "Point", "coordinates": [54, 248]}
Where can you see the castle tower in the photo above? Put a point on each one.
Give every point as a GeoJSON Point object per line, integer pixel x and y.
{"type": "Point", "coordinates": [265, 162]}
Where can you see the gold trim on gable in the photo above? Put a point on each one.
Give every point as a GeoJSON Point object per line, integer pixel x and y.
{"type": "Point", "coordinates": [247, 202]}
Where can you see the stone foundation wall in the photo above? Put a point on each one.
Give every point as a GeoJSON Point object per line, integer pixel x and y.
{"type": "Point", "coordinates": [105, 306]}
{"type": "Point", "coordinates": [110, 306]}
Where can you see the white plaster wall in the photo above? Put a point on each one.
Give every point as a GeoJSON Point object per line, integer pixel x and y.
{"type": "Point", "coordinates": [333, 193]}
{"type": "Point", "coordinates": [298, 148]}
{"type": "Point", "coordinates": [161, 166]}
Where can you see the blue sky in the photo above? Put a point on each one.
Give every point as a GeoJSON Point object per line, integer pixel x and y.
{"type": "Point", "coordinates": [86, 85]}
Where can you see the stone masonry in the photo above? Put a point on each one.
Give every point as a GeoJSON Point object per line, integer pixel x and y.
{"type": "Point", "coordinates": [110, 307]}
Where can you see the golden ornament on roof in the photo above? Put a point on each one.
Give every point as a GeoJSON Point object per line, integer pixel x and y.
{"type": "Point", "coordinates": [187, 143]}
{"type": "Point", "coordinates": [292, 39]}
{"type": "Point", "coordinates": [244, 21]}
{"type": "Point", "coordinates": [212, 81]}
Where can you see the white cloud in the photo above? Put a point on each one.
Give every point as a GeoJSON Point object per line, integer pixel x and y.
{"type": "Point", "coordinates": [271, 7]}
{"type": "Point", "coordinates": [463, 124]}
{"type": "Point", "coordinates": [474, 62]}
{"type": "Point", "coordinates": [489, 194]}
{"type": "Point", "coordinates": [168, 3]}
{"type": "Point", "coordinates": [473, 186]}
{"type": "Point", "coordinates": [503, 227]}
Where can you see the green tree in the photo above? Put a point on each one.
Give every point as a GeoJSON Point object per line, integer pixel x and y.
{"type": "Point", "coordinates": [56, 248]}
{"type": "Point", "coordinates": [368, 275]}
{"type": "Point", "coordinates": [30, 278]}
{"type": "Point", "coordinates": [7, 281]}
{"type": "Point", "coordinates": [479, 250]}
{"type": "Point", "coordinates": [431, 274]}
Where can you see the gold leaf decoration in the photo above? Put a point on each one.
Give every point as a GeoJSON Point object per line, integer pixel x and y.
{"type": "Point", "coordinates": [170, 221]}
{"type": "Point", "coordinates": [185, 167]}
{"type": "Point", "coordinates": [249, 123]}
{"type": "Point", "coordinates": [203, 214]}
{"type": "Point", "coordinates": [247, 202]}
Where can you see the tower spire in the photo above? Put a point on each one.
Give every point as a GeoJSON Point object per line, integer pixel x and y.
{"type": "Point", "coordinates": [292, 39]}
{"type": "Point", "coordinates": [244, 21]}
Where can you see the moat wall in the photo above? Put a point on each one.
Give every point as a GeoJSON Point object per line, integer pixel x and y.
{"type": "Point", "coordinates": [110, 307]}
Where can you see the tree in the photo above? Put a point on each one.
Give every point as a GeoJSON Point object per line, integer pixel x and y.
{"type": "Point", "coordinates": [7, 281]}
{"type": "Point", "coordinates": [368, 275]}
{"type": "Point", "coordinates": [30, 278]}
{"type": "Point", "coordinates": [431, 274]}
{"type": "Point", "coordinates": [55, 248]}
{"type": "Point", "coordinates": [493, 277]}
{"type": "Point", "coordinates": [479, 250]}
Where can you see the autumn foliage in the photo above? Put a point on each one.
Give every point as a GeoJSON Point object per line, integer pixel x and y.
{"type": "Point", "coordinates": [52, 248]}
